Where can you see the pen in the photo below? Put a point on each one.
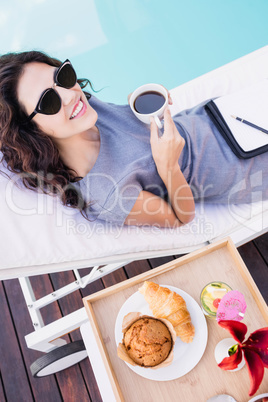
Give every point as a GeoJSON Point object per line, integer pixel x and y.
{"type": "Point", "coordinates": [250, 124]}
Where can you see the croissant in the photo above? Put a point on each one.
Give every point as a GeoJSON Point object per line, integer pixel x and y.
{"type": "Point", "coordinates": [169, 305]}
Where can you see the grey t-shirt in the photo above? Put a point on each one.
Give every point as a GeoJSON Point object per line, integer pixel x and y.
{"type": "Point", "coordinates": [125, 165]}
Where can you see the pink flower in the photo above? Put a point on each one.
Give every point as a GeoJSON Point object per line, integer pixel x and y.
{"type": "Point", "coordinates": [255, 350]}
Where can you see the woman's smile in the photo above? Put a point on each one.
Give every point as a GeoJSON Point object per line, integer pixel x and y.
{"type": "Point", "coordinates": [79, 109]}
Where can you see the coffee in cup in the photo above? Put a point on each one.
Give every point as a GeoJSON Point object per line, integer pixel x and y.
{"type": "Point", "coordinates": [148, 101]}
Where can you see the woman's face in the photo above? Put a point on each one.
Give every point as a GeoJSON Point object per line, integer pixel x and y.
{"type": "Point", "coordinates": [65, 124]}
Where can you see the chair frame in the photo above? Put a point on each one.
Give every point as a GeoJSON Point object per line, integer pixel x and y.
{"type": "Point", "coordinates": [47, 337]}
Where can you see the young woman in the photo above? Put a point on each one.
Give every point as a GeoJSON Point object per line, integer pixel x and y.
{"type": "Point", "coordinates": [98, 158]}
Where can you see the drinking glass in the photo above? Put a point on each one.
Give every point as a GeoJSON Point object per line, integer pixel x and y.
{"type": "Point", "coordinates": [211, 296]}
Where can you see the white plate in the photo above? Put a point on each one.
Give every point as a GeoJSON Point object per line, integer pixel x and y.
{"type": "Point", "coordinates": [186, 355]}
{"type": "Point", "coordinates": [258, 397]}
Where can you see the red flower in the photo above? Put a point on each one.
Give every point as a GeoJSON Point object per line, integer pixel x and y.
{"type": "Point", "coordinates": [255, 350]}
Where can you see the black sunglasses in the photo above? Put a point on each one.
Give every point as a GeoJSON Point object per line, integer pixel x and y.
{"type": "Point", "coordinates": [50, 101]}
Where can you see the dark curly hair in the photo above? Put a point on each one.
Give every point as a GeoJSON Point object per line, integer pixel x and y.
{"type": "Point", "coordinates": [25, 147]}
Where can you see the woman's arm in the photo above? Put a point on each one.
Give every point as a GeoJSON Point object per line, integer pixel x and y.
{"type": "Point", "coordinates": [151, 209]}
{"type": "Point", "coordinates": [166, 151]}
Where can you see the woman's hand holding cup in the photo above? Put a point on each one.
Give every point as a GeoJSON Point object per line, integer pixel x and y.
{"type": "Point", "coordinates": [166, 149]}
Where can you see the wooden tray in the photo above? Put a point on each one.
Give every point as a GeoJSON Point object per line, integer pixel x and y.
{"type": "Point", "coordinates": [216, 262]}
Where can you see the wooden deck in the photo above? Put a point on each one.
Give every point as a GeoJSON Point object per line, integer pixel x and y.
{"type": "Point", "coordinates": [76, 383]}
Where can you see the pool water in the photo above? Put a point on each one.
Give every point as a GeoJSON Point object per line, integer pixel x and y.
{"type": "Point", "coordinates": [122, 44]}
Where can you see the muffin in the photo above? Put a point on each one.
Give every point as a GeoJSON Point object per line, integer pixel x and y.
{"type": "Point", "coordinates": [147, 341]}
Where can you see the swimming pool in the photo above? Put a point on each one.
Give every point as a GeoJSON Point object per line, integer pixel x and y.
{"type": "Point", "coordinates": [121, 44]}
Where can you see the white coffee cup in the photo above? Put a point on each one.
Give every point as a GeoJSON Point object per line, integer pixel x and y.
{"type": "Point", "coordinates": [158, 114]}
